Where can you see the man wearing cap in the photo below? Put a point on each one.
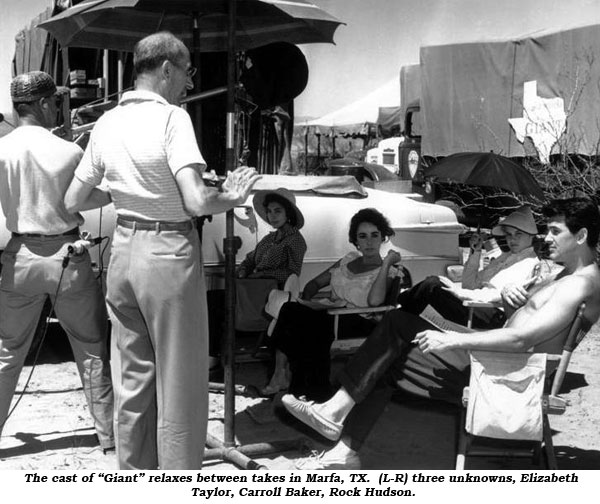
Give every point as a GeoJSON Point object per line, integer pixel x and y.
{"type": "Point", "coordinates": [406, 353]}
{"type": "Point", "coordinates": [506, 276]}
{"type": "Point", "coordinates": [36, 168]}
{"type": "Point", "coordinates": [146, 150]}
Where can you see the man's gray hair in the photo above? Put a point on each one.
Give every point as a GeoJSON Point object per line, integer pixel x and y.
{"type": "Point", "coordinates": [150, 52]}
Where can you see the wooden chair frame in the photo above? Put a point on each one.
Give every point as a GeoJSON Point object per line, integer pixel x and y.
{"type": "Point", "coordinates": [552, 404]}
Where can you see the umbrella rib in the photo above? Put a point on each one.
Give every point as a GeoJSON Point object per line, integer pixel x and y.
{"type": "Point", "coordinates": [160, 21]}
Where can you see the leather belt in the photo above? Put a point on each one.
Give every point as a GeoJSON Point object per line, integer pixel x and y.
{"type": "Point", "coordinates": [70, 232]}
{"type": "Point", "coordinates": [157, 226]}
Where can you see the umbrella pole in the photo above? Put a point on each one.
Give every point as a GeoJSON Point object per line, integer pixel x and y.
{"type": "Point", "coordinates": [229, 245]}
{"type": "Point", "coordinates": [227, 449]}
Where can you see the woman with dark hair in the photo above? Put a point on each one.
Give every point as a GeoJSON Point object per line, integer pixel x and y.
{"type": "Point", "coordinates": [277, 255]}
{"type": "Point", "coordinates": [281, 252]}
{"type": "Point", "coordinates": [304, 331]}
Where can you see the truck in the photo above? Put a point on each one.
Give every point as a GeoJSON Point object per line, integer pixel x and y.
{"type": "Point", "coordinates": [533, 97]}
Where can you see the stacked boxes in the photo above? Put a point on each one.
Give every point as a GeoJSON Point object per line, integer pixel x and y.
{"type": "Point", "coordinates": [83, 88]}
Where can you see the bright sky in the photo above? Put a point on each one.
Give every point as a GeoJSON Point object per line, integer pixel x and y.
{"type": "Point", "coordinates": [379, 37]}
{"type": "Point", "coordinates": [16, 14]}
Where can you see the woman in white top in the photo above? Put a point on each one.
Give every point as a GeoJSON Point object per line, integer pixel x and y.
{"type": "Point", "coordinates": [303, 335]}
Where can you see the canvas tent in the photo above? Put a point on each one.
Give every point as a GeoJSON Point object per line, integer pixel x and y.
{"type": "Point", "coordinates": [379, 107]}
{"type": "Point", "coordinates": [484, 96]}
{"type": "Point", "coordinates": [352, 127]}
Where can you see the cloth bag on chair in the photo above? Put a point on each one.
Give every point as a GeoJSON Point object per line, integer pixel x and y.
{"type": "Point", "coordinates": [505, 395]}
{"type": "Point", "coordinates": [251, 296]}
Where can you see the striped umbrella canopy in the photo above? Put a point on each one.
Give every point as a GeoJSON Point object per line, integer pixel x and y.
{"type": "Point", "coordinates": [119, 24]}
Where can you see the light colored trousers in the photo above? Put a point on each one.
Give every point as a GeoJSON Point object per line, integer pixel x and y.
{"type": "Point", "coordinates": [157, 304]}
{"type": "Point", "coordinates": [31, 271]}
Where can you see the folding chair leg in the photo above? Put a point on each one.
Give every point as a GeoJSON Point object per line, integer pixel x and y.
{"type": "Point", "coordinates": [461, 452]}
{"type": "Point", "coordinates": [549, 445]}
{"type": "Point", "coordinates": [259, 343]}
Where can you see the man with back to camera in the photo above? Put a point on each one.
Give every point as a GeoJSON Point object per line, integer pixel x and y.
{"type": "Point", "coordinates": [147, 151]}
{"type": "Point", "coordinates": [36, 168]}
{"type": "Point", "coordinates": [405, 351]}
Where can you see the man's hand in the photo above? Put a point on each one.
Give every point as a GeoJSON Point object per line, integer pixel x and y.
{"type": "Point", "coordinates": [455, 290]}
{"type": "Point", "coordinates": [476, 242]}
{"type": "Point", "coordinates": [239, 183]}
{"type": "Point", "coordinates": [514, 295]}
{"type": "Point", "coordinates": [431, 340]}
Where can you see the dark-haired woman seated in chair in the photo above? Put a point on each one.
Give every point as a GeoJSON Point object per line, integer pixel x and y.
{"type": "Point", "coordinates": [277, 256]}
{"type": "Point", "coordinates": [304, 331]}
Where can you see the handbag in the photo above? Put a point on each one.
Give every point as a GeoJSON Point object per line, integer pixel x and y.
{"type": "Point", "coordinates": [505, 395]}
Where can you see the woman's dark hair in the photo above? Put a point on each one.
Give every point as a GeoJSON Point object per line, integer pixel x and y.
{"type": "Point", "coordinates": [290, 214]}
{"type": "Point", "coordinates": [371, 216]}
{"type": "Point", "coordinates": [578, 213]}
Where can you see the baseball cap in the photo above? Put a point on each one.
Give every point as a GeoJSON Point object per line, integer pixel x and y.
{"type": "Point", "coordinates": [31, 86]}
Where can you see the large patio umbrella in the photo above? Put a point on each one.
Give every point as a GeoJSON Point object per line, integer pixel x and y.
{"type": "Point", "coordinates": [119, 24]}
{"type": "Point", "coordinates": [486, 169]}
{"type": "Point", "coordinates": [204, 25]}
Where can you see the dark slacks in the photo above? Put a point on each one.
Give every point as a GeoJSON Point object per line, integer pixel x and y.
{"type": "Point", "coordinates": [305, 335]}
{"type": "Point", "coordinates": [431, 292]}
{"type": "Point", "coordinates": [388, 361]}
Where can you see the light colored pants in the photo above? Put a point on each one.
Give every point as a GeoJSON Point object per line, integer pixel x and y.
{"type": "Point", "coordinates": [157, 303]}
{"type": "Point", "coordinates": [31, 271]}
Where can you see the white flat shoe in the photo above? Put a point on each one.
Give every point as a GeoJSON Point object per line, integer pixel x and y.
{"type": "Point", "coordinates": [325, 461]}
{"type": "Point", "coordinates": [305, 412]}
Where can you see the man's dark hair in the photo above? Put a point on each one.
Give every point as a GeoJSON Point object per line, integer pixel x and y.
{"type": "Point", "coordinates": [150, 52]}
{"type": "Point", "coordinates": [371, 216]}
{"type": "Point", "coordinates": [578, 213]}
{"type": "Point", "coordinates": [290, 214]}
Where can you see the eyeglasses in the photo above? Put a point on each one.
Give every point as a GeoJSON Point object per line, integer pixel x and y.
{"type": "Point", "coordinates": [190, 71]}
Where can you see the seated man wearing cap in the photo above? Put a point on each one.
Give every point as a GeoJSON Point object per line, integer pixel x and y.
{"type": "Point", "coordinates": [506, 276]}
{"type": "Point", "coordinates": [36, 168]}
{"type": "Point", "coordinates": [405, 352]}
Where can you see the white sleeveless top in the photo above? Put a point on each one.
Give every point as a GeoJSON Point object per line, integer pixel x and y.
{"type": "Point", "coordinates": [351, 287]}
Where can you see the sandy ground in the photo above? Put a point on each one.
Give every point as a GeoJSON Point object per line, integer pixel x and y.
{"type": "Point", "coordinates": [51, 428]}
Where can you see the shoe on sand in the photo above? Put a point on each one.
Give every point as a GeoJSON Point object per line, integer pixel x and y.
{"type": "Point", "coordinates": [326, 461]}
{"type": "Point", "coordinates": [271, 390]}
{"type": "Point", "coordinates": [305, 412]}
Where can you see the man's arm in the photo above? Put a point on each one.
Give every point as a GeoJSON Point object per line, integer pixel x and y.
{"type": "Point", "coordinates": [82, 196]}
{"type": "Point", "coordinates": [547, 321]}
{"type": "Point", "coordinates": [199, 199]}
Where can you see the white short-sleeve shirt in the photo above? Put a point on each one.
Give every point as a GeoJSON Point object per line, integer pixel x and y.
{"type": "Point", "coordinates": [139, 147]}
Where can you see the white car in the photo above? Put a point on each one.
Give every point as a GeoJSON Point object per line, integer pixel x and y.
{"type": "Point", "coordinates": [426, 234]}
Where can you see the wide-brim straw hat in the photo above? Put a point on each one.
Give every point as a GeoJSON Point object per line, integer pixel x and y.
{"type": "Point", "coordinates": [259, 199]}
{"type": "Point", "coordinates": [521, 219]}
